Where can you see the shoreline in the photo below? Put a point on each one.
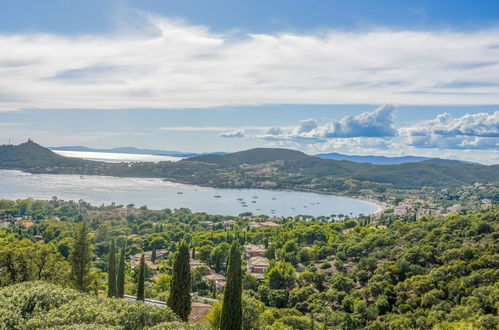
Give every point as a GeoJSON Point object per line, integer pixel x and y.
{"type": "Point", "coordinates": [374, 207]}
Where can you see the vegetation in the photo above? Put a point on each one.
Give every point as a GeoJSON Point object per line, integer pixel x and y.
{"type": "Point", "coordinates": [80, 259]}
{"type": "Point", "coordinates": [141, 279]}
{"type": "Point", "coordinates": [39, 305]}
{"type": "Point", "coordinates": [232, 312]}
{"type": "Point", "coordinates": [111, 274]}
{"type": "Point", "coordinates": [120, 279]}
{"type": "Point", "coordinates": [365, 273]}
{"type": "Point", "coordinates": [180, 293]}
{"type": "Point", "coordinates": [262, 168]}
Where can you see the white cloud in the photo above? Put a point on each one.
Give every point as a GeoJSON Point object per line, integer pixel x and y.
{"type": "Point", "coordinates": [471, 131]}
{"type": "Point", "coordinates": [170, 64]}
{"type": "Point", "coordinates": [376, 123]}
{"type": "Point", "coordinates": [233, 134]}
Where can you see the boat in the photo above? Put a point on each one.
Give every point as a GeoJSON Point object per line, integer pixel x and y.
{"type": "Point", "coordinates": [81, 176]}
{"type": "Point", "coordinates": [217, 196]}
{"type": "Point", "coordinates": [255, 197]}
{"type": "Point", "coordinates": [244, 205]}
{"type": "Point", "coordinates": [239, 199]}
{"type": "Point", "coordinates": [253, 202]}
{"type": "Point", "coordinates": [179, 192]}
{"type": "Point", "coordinates": [273, 198]}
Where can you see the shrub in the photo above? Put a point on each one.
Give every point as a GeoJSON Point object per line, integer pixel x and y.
{"type": "Point", "coordinates": [38, 305]}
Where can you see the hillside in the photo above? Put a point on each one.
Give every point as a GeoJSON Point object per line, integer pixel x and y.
{"type": "Point", "coordinates": [255, 156]}
{"type": "Point", "coordinates": [390, 272]}
{"type": "Point", "coordinates": [30, 155]}
{"type": "Point", "coordinates": [268, 168]}
{"type": "Point", "coordinates": [431, 172]}
{"type": "Point", "coordinates": [377, 160]}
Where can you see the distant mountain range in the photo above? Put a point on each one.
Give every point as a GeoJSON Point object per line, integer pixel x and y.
{"type": "Point", "coordinates": [136, 151]}
{"type": "Point", "coordinates": [379, 160]}
{"type": "Point", "coordinates": [261, 168]}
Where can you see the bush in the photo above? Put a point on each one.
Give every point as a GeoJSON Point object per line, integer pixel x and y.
{"type": "Point", "coordinates": [38, 305]}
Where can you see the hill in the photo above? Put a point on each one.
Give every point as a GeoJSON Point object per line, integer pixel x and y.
{"type": "Point", "coordinates": [378, 160]}
{"type": "Point", "coordinates": [269, 168]}
{"type": "Point", "coordinates": [30, 155]}
{"type": "Point", "coordinates": [431, 172]}
{"type": "Point", "coordinates": [254, 156]}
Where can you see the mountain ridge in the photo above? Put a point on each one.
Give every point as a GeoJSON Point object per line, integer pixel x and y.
{"type": "Point", "coordinates": [271, 168]}
{"type": "Point", "coordinates": [371, 159]}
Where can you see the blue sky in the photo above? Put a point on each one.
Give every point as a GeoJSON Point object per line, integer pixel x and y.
{"type": "Point", "coordinates": [357, 77]}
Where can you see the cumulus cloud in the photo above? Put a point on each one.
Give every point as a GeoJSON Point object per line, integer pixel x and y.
{"type": "Point", "coordinates": [234, 134]}
{"type": "Point", "coordinates": [165, 63]}
{"type": "Point", "coordinates": [376, 123]}
{"type": "Point", "coordinates": [471, 131]}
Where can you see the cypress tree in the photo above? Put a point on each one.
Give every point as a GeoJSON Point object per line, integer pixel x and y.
{"type": "Point", "coordinates": [120, 280]}
{"type": "Point", "coordinates": [232, 309]}
{"type": "Point", "coordinates": [153, 256]}
{"type": "Point", "coordinates": [193, 252]}
{"type": "Point", "coordinates": [111, 273]}
{"type": "Point", "coordinates": [218, 263]}
{"type": "Point", "coordinates": [180, 294]}
{"type": "Point", "coordinates": [142, 275]}
{"type": "Point", "coordinates": [81, 259]}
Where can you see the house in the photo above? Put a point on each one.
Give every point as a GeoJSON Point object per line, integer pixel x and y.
{"type": "Point", "coordinates": [148, 259]}
{"type": "Point", "coordinates": [229, 223]}
{"type": "Point", "coordinates": [402, 209]}
{"type": "Point", "coordinates": [254, 224]}
{"type": "Point", "coordinates": [257, 266]}
{"type": "Point", "coordinates": [254, 250]}
{"type": "Point", "coordinates": [269, 224]}
{"type": "Point", "coordinates": [220, 281]}
{"type": "Point", "coordinates": [195, 263]}
{"type": "Point", "coordinates": [199, 312]}
{"type": "Point", "coordinates": [27, 224]}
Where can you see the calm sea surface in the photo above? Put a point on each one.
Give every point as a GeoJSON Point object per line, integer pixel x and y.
{"type": "Point", "coordinates": [158, 194]}
{"type": "Point", "coordinates": [111, 157]}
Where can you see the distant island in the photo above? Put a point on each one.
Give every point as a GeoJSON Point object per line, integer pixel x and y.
{"type": "Point", "coordinates": [267, 168]}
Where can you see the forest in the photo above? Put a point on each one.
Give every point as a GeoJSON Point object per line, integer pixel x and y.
{"type": "Point", "coordinates": [433, 273]}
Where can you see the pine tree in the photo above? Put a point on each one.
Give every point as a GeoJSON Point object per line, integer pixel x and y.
{"type": "Point", "coordinates": [193, 252]}
{"type": "Point", "coordinates": [81, 259]}
{"type": "Point", "coordinates": [142, 275]}
{"type": "Point", "coordinates": [111, 273]}
{"type": "Point", "coordinates": [120, 280]}
{"type": "Point", "coordinates": [180, 294]}
{"type": "Point", "coordinates": [232, 310]}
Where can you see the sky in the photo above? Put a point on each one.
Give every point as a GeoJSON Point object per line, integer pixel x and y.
{"type": "Point", "coordinates": [356, 77]}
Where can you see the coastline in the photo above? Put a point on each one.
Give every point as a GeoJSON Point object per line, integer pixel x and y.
{"type": "Point", "coordinates": [161, 186]}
